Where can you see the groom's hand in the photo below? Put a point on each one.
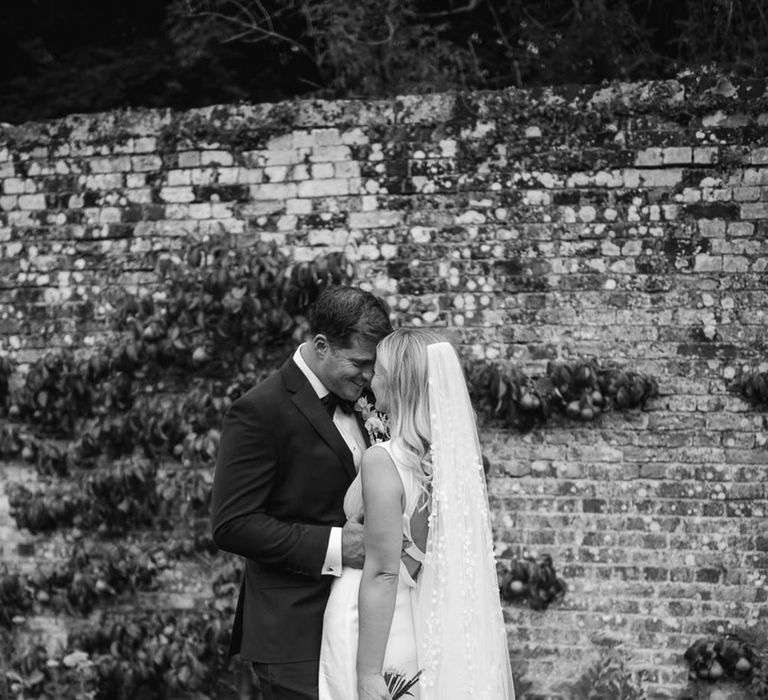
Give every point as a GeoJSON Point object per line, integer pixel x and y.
{"type": "Point", "coordinates": [352, 550]}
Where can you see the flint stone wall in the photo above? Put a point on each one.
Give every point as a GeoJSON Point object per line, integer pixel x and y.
{"type": "Point", "coordinates": [628, 223]}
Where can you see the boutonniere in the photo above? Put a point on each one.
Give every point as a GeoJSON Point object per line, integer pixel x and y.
{"type": "Point", "coordinates": [376, 423]}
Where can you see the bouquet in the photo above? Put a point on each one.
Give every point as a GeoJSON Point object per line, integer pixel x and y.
{"type": "Point", "coordinates": [398, 685]}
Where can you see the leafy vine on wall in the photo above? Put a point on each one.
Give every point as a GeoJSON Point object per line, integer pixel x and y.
{"type": "Point", "coordinates": [533, 581]}
{"type": "Point", "coordinates": [96, 571]}
{"type": "Point", "coordinates": [738, 657]}
{"type": "Point", "coordinates": [123, 442]}
{"type": "Point", "coordinates": [149, 655]}
{"type": "Point", "coordinates": [580, 390]}
{"type": "Point", "coordinates": [753, 386]}
{"type": "Point", "coordinates": [220, 318]}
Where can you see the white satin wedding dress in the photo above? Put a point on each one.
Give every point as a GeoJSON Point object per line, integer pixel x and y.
{"type": "Point", "coordinates": [450, 626]}
{"type": "Point", "coordinates": [338, 653]}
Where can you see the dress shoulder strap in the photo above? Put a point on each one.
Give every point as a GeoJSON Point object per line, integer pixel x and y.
{"type": "Point", "coordinates": [415, 553]}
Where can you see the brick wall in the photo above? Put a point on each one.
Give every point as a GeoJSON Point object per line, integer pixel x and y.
{"type": "Point", "coordinates": [628, 223]}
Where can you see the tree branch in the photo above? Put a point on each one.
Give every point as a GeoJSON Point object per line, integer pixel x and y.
{"type": "Point", "coordinates": [507, 45]}
{"type": "Point", "coordinates": [471, 5]}
{"type": "Point", "coordinates": [380, 42]}
{"type": "Point", "coordinates": [250, 27]}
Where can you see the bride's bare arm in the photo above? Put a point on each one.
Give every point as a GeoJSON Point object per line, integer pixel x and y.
{"type": "Point", "coordinates": [383, 498]}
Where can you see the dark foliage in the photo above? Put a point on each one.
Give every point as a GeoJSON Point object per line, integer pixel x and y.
{"type": "Point", "coordinates": [608, 678]}
{"type": "Point", "coordinates": [581, 390]}
{"type": "Point", "coordinates": [124, 441]}
{"type": "Point", "coordinates": [729, 657]}
{"type": "Point", "coordinates": [84, 55]}
{"type": "Point", "coordinates": [753, 386]}
{"type": "Point", "coordinates": [533, 581]}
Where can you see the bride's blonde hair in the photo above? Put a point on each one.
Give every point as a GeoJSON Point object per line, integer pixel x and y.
{"type": "Point", "coordinates": [403, 356]}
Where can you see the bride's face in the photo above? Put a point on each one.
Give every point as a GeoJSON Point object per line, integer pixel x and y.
{"type": "Point", "coordinates": [378, 387]}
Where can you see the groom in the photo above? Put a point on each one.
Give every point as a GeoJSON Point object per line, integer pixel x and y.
{"type": "Point", "coordinates": [289, 449]}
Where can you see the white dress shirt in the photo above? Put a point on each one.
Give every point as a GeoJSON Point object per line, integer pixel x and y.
{"type": "Point", "coordinates": [349, 429]}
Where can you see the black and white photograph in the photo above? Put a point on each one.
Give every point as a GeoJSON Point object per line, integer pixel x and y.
{"type": "Point", "coordinates": [384, 350]}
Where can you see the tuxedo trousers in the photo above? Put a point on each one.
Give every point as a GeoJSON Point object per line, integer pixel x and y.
{"type": "Point", "coordinates": [291, 681]}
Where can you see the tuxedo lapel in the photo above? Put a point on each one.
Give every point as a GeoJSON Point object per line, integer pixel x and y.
{"type": "Point", "coordinates": [305, 399]}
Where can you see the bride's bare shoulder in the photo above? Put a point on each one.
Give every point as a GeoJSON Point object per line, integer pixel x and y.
{"type": "Point", "coordinates": [379, 472]}
{"type": "Point", "coordinates": [377, 456]}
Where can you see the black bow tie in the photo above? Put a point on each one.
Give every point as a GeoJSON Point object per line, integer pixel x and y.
{"type": "Point", "coordinates": [331, 400]}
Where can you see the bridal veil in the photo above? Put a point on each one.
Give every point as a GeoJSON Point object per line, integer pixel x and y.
{"type": "Point", "coordinates": [462, 640]}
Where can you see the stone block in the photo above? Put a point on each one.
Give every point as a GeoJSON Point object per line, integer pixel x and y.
{"type": "Point", "coordinates": [323, 171]}
{"type": "Point", "coordinates": [32, 202]}
{"type": "Point", "coordinates": [274, 191]}
{"type": "Point", "coordinates": [753, 211]}
{"type": "Point", "coordinates": [330, 154]}
{"type": "Point", "coordinates": [329, 137]}
{"type": "Point", "coordinates": [121, 164]}
{"type": "Point", "coordinates": [16, 185]}
{"type": "Point", "coordinates": [705, 155]}
{"type": "Point", "coordinates": [276, 157]}
{"type": "Point", "coordinates": [735, 263]}
{"type": "Point", "coordinates": [740, 228]}
{"type": "Point", "coordinates": [104, 181]}
{"type": "Point", "coordinates": [324, 188]}
{"type": "Point", "coordinates": [327, 237]}
{"type": "Point", "coordinates": [146, 163]}
{"type": "Point", "coordinates": [190, 159]}
{"type": "Point", "coordinates": [375, 219]}
{"type": "Point", "coordinates": [177, 194]}
{"type": "Point", "coordinates": [707, 263]}
{"type": "Point", "coordinates": [345, 169]}
{"type": "Point", "coordinates": [712, 228]}
{"type": "Point", "coordinates": [354, 137]}
{"type": "Point", "coordinates": [277, 173]}
{"type": "Point", "coordinates": [178, 178]}
{"type": "Point", "coordinates": [227, 176]}
{"type": "Point", "coordinates": [677, 155]}
{"type": "Point", "coordinates": [661, 178]}
{"type": "Point", "coordinates": [281, 142]}
{"type": "Point", "coordinates": [649, 157]}
{"type": "Point", "coordinates": [250, 176]}
{"type": "Point", "coordinates": [223, 158]}
{"type": "Point", "coordinates": [298, 206]}
{"type": "Point", "coordinates": [515, 468]}
{"type": "Point", "coordinates": [200, 210]}
{"type": "Point", "coordinates": [134, 180]}
{"type": "Point", "coordinates": [746, 194]}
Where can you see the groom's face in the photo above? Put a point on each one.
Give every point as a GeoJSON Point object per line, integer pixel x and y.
{"type": "Point", "coordinates": [345, 371]}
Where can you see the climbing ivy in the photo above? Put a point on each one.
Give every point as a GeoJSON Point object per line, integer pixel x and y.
{"type": "Point", "coordinates": [734, 656]}
{"type": "Point", "coordinates": [123, 442]}
{"type": "Point", "coordinates": [219, 318]}
{"type": "Point", "coordinates": [148, 655]}
{"type": "Point", "coordinates": [581, 391]}
{"type": "Point", "coordinates": [753, 386]}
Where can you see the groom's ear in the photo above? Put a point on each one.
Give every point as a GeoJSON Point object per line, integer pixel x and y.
{"type": "Point", "coordinates": [321, 345]}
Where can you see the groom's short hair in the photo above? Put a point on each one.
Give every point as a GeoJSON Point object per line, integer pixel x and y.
{"type": "Point", "coordinates": [343, 313]}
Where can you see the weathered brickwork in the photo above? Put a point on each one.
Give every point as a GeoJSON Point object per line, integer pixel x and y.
{"type": "Point", "coordinates": [627, 223]}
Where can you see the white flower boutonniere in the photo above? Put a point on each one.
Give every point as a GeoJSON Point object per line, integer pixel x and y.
{"type": "Point", "coordinates": [376, 423]}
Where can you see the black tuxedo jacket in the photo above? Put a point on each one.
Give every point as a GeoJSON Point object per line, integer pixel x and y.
{"type": "Point", "coordinates": [282, 472]}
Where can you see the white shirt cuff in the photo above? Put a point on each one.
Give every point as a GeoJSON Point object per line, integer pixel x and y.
{"type": "Point", "coordinates": [332, 563]}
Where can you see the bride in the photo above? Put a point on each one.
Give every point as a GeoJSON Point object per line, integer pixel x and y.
{"type": "Point", "coordinates": [432, 608]}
